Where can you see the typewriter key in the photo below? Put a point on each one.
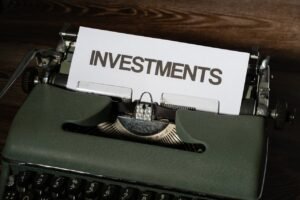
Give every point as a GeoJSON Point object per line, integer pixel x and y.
{"type": "Point", "coordinates": [40, 181]}
{"type": "Point", "coordinates": [128, 193]}
{"type": "Point", "coordinates": [146, 195]}
{"type": "Point", "coordinates": [110, 192]}
{"type": "Point", "coordinates": [163, 196]}
{"type": "Point", "coordinates": [23, 178]}
{"type": "Point", "coordinates": [58, 187]}
{"type": "Point", "coordinates": [92, 189]}
{"type": "Point", "coordinates": [27, 196]}
{"type": "Point", "coordinates": [74, 185]}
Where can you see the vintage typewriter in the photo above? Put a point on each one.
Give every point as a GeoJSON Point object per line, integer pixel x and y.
{"type": "Point", "coordinates": [73, 145]}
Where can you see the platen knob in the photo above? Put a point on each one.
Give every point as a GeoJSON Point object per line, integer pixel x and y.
{"type": "Point", "coordinates": [281, 114]}
{"type": "Point", "coordinates": [29, 79]}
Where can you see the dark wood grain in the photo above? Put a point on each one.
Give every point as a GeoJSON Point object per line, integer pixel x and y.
{"type": "Point", "coordinates": [271, 25]}
{"type": "Point", "coordinates": [274, 26]}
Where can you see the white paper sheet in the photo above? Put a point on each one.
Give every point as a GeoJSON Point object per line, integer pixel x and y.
{"type": "Point", "coordinates": [141, 64]}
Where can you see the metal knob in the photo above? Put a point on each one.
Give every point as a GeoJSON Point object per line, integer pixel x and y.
{"type": "Point", "coordinates": [29, 79]}
{"type": "Point", "coordinates": [281, 114]}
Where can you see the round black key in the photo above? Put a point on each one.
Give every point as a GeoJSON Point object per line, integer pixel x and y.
{"type": "Point", "coordinates": [27, 196]}
{"type": "Point", "coordinates": [24, 178]}
{"type": "Point", "coordinates": [92, 189]}
{"type": "Point", "coordinates": [128, 194]}
{"type": "Point", "coordinates": [74, 185]}
{"type": "Point", "coordinates": [163, 196]}
{"type": "Point", "coordinates": [110, 192]}
{"type": "Point", "coordinates": [57, 184]}
{"type": "Point", "coordinates": [57, 196]}
{"type": "Point", "coordinates": [57, 187]}
{"type": "Point", "coordinates": [75, 197]}
{"type": "Point", "coordinates": [45, 197]}
{"type": "Point", "coordinates": [11, 182]}
{"type": "Point", "coordinates": [40, 181]}
{"type": "Point", "coordinates": [146, 195]}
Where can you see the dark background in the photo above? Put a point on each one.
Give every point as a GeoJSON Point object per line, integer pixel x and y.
{"type": "Point", "coordinates": [272, 25]}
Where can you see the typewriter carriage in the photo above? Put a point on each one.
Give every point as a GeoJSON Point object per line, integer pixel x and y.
{"type": "Point", "coordinates": [54, 66]}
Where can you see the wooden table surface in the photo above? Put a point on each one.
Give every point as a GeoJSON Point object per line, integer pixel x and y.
{"type": "Point", "coordinates": [271, 25]}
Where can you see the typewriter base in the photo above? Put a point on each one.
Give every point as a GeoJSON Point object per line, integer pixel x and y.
{"type": "Point", "coordinates": [233, 165]}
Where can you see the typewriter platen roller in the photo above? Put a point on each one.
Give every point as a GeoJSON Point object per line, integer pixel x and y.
{"type": "Point", "coordinates": [206, 154]}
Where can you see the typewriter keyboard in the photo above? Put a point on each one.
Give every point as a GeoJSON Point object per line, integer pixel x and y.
{"type": "Point", "coordinates": [30, 185]}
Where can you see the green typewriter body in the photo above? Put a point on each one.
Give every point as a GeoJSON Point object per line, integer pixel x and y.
{"type": "Point", "coordinates": [232, 166]}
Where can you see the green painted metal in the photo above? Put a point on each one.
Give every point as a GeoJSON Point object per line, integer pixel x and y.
{"type": "Point", "coordinates": [231, 166]}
